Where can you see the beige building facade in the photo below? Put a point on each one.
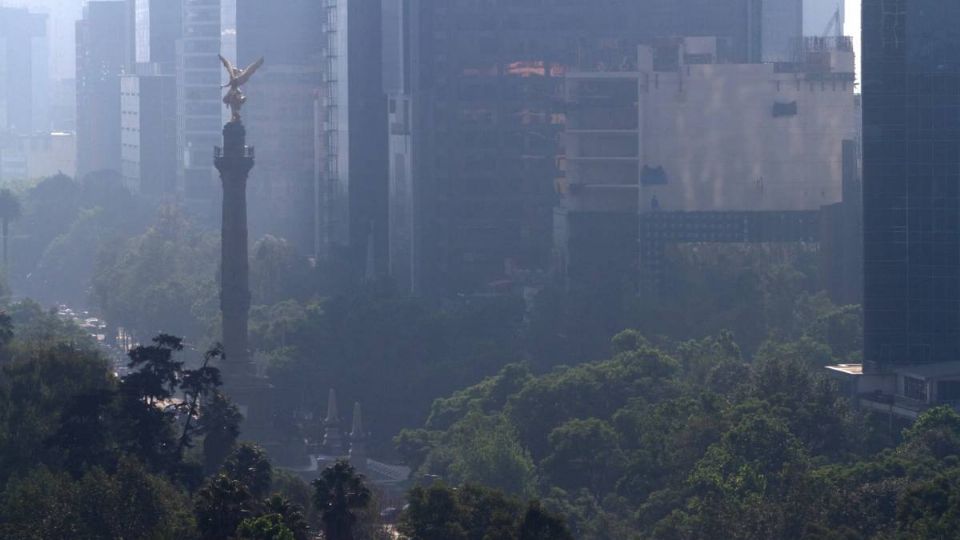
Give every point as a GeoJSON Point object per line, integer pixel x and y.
{"type": "Point", "coordinates": [689, 134]}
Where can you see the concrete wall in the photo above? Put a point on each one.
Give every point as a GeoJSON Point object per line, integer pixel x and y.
{"type": "Point", "coordinates": [713, 130]}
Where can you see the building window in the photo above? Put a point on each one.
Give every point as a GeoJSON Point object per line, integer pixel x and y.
{"type": "Point", "coordinates": [653, 176]}
{"type": "Point", "coordinates": [914, 388]}
{"type": "Point", "coordinates": [948, 392]}
{"type": "Point", "coordinates": [784, 109]}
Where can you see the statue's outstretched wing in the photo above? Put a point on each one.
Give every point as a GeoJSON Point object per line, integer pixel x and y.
{"type": "Point", "coordinates": [247, 73]}
{"type": "Point", "coordinates": [226, 64]}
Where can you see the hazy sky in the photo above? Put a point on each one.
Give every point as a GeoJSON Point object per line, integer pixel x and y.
{"type": "Point", "coordinates": [852, 27]}
{"type": "Point", "coordinates": [64, 13]}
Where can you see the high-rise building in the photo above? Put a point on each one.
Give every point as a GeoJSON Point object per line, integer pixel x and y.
{"type": "Point", "coordinates": [911, 198]}
{"type": "Point", "coordinates": [148, 120]}
{"type": "Point", "coordinates": [63, 106]}
{"type": "Point", "coordinates": [476, 118]}
{"type": "Point", "coordinates": [158, 26]}
{"type": "Point", "coordinates": [281, 112]}
{"type": "Point", "coordinates": [24, 73]}
{"type": "Point", "coordinates": [911, 209]}
{"type": "Point", "coordinates": [102, 56]}
{"type": "Point", "coordinates": [228, 40]}
{"type": "Point", "coordinates": [199, 105]}
{"type": "Point", "coordinates": [286, 33]}
{"type": "Point", "coordinates": [281, 119]}
{"type": "Point", "coordinates": [351, 181]}
{"type": "Point", "coordinates": [703, 151]}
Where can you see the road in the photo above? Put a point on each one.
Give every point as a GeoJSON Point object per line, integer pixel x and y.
{"type": "Point", "coordinates": [97, 329]}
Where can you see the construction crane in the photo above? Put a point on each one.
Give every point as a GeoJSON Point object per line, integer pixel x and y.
{"type": "Point", "coordinates": [835, 24]}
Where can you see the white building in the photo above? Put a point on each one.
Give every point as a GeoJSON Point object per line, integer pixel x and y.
{"type": "Point", "coordinates": [148, 138]}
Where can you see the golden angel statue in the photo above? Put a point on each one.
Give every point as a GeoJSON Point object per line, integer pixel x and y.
{"type": "Point", "coordinates": [238, 77]}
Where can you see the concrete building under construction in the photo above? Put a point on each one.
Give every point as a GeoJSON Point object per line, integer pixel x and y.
{"type": "Point", "coordinates": [680, 146]}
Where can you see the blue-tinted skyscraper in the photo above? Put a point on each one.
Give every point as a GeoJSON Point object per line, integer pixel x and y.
{"type": "Point", "coordinates": [102, 56]}
{"type": "Point", "coordinates": [199, 113]}
{"type": "Point", "coordinates": [280, 113]}
{"type": "Point", "coordinates": [23, 72]}
{"type": "Point", "coordinates": [911, 169]}
{"type": "Point", "coordinates": [158, 26]}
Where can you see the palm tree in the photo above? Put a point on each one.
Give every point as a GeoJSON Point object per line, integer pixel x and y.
{"type": "Point", "coordinates": [249, 465]}
{"type": "Point", "coordinates": [290, 514]}
{"type": "Point", "coordinates": [9, 211]}
{"type": "Point", "coordinates": [337, 494]}
{"type": "Point", "coordinates": [221, 505]}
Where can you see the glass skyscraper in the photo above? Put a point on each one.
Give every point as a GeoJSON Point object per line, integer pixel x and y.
{"type": "Point", "coordinates": [199, 114]}
{"type": "Point", "coordinates": [911, 195]}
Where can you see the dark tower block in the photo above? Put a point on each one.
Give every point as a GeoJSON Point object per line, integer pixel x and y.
{"type": "Point", "coordinates": [234, 161]}
{"type": "Point", "coordinates": [911, 183]}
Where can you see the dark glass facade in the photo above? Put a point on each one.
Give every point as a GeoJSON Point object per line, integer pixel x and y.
{"type": "Point", "coordinates": [280, 113]}
{"type": "Point", "coordinates": [321, 87]}
{"type": "Point", "coordinates": [911, 195]}
{"type": "Point", "coordinates": [285, 33]}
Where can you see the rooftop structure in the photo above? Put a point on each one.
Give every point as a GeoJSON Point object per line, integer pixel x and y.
{"type": "Point", "coordinates": [906, 391]}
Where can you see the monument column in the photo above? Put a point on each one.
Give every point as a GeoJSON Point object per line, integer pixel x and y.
{"type": "Point", "coordinates": [234, 161]}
